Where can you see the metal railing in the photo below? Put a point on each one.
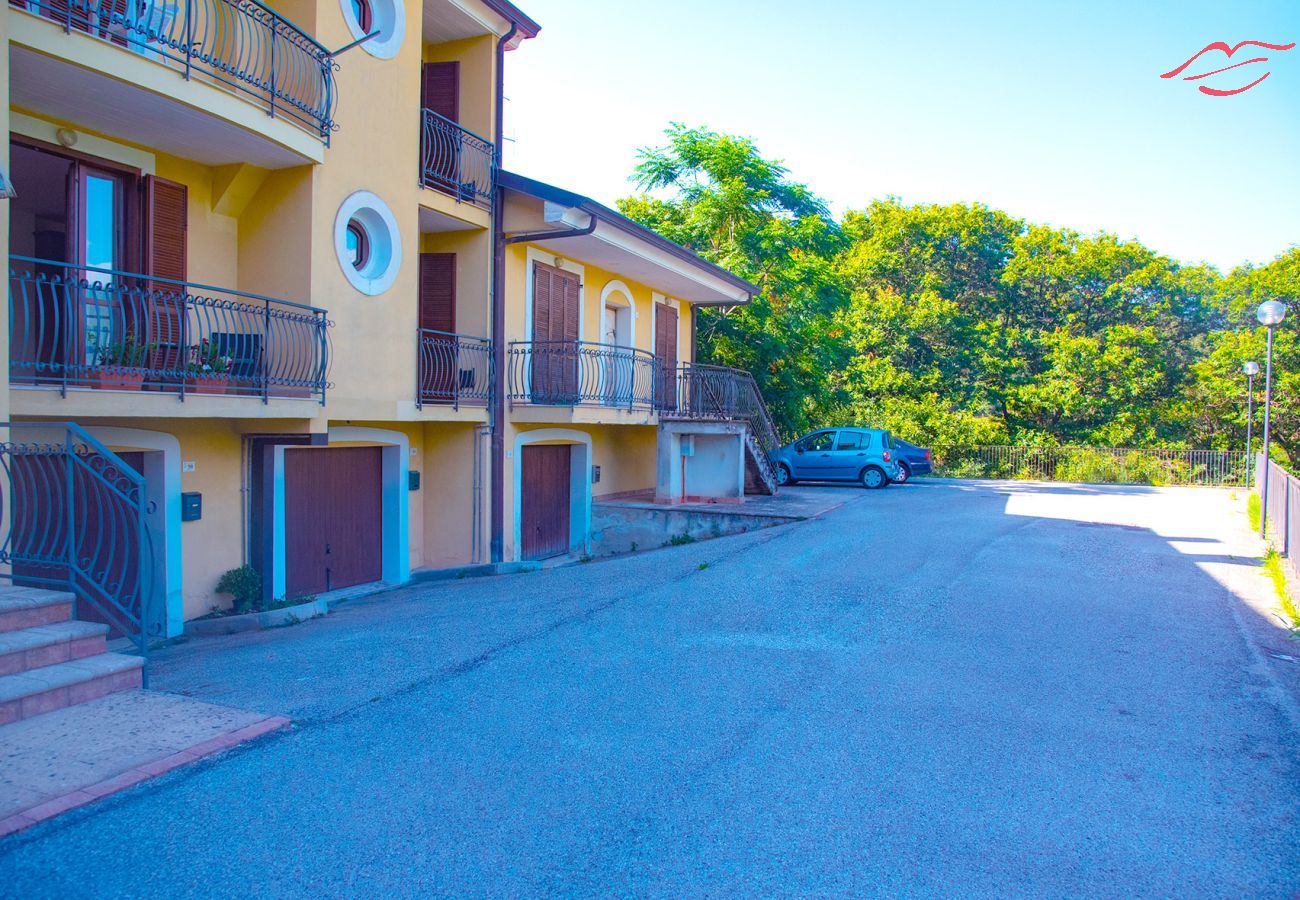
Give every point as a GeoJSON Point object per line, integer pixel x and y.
{"type": "Point", "coordinates": [1281, 504]}
{"type": "Point", "coordinates": [242, 44]}
{"type": "Point", "coordinates": [74, 519]}
{"type": "Point", "coordinates": [455, 160]}
{"type": "Point", "coordinates": [1098, 465]}
{"type": "Point", "coordinates": [82, 327]}
{"type": "Point", "coordinates": [580, 373]}
{"type": "Point", "coordinates": [718, 392]}
{"type": "Point", "coordinates": [453, 369]}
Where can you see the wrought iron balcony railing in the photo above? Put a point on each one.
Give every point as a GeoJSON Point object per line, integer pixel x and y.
{"type": "Point", "coordinates": [454, 370]}
{"type": "Point", "coordinates": [579, 373]}
{"type": "Point", "coordinates": [455, 160]}
{"type": "Point", "coordinates": [81, 327]}
{"type": "Point", "coordinates": [242, 44]}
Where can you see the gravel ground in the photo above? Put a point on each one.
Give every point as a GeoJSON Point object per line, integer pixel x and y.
{"type": "Point", "coordinates": [938, 689]}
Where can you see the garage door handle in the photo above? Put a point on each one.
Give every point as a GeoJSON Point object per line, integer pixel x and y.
{"type": "Point", "coordinates": [825, 454]}
{"type": "Point", "coordinates": [862, 454]}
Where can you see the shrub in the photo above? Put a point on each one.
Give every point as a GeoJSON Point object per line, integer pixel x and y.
{"type": "Point", "coordinates": [244, 585]}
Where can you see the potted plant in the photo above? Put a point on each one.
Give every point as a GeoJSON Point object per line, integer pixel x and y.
{"type": "Point", "coordinates": [208, 371]}
{"type": "Point", "coordinates": [118, 365]}
{"type": "Point", "coordinates": [244, 585]}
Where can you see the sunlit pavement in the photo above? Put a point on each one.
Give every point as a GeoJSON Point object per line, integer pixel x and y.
{"type": "Point", "coordinates": [941, 688]}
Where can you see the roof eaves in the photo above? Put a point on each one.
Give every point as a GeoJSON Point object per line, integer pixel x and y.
{"type": "Point", "coordinates": [544, 191]}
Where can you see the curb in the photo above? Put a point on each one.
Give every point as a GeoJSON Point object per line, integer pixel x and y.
{"type": "Point", "coordinates": [131, 777]}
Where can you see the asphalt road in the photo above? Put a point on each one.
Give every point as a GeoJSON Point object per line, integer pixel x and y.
{"type": "Point", "coordinates": [935, 689]}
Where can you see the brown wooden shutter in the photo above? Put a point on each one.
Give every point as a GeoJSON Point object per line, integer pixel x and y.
{"type": "Point", "coordinates": [438, 291]}
{"type": "Point", "coordinates": [666, 352]}
{"type": "Point", "coordinates": [439, 356]}
{"type": "Point", "coordinates": [440, 89]}
{"type": "Point", "coordinates": [166, 219]}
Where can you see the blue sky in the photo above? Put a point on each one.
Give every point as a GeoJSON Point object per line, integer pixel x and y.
{"type": "Point", "coordinates": [1050, 109]}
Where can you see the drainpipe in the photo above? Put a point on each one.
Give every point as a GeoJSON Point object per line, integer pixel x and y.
{"type": "Point", "coordinates": [497, 474]}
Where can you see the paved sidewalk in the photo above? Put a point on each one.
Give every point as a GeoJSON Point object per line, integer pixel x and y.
{"type": "Point", "coordinates": [61, 760]}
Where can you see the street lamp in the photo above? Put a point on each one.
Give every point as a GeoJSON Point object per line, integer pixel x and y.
{"type": "Point", "coordinates": [1270, 315]}
{"type": "Point", "coordinates": [1251, 369]}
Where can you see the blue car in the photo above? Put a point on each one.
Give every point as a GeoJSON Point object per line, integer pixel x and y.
{"type": "Point", "coordinates": [911, 459]}
{"type": "Point", "coordinates": [861, 455]}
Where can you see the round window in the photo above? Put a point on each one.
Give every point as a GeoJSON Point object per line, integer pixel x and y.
{"type": "Point", "coordinates": [368, 243]}
{"type": "Point", "coordinates": [386, 19]}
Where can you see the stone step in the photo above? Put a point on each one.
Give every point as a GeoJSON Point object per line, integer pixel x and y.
{"type": "Point", "coordinates": [49, 688]}
{"type": "Point", "coordinates": [48, 645]}
{"type": "Point", "coordinates": [25, 607]}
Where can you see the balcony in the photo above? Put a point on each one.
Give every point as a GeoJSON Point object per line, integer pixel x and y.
{"type": "Point", "coordinates": [74, 327]}
{"type": "Point", "coordinates": [240, 45]}
{"type": "Point", "coordinates": [456, 161]}
{"type": "Point", "coordinates": [454, 370]}
{"type": "Point", "coordinates": [580, 373]}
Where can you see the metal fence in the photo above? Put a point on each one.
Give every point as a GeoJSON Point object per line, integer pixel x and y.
{"type": "Point", "coordinates": [74, 518]}
{"type": "Point", "coordinates": [581, 373]}
{"type": "Point", "coordinates": [1098, 465]}
{"type": "Point", "coordinates": [82, 327]}
{"type": "Point", "coordinates": [1283, 507]}
{"type": "Point", "coordinates": [718, 392]}
{"type": "Point", "coordinates": [455, 160]}
{"type": "Point", "coordinates": [242, 44]}
{"type": "Point", "coordinates": [454, 369]}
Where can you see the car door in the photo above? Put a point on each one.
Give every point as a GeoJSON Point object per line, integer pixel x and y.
{"type": "Point", "coordinates": [812, 455]}
{"type": "Point", "coordinates": [850, 453]}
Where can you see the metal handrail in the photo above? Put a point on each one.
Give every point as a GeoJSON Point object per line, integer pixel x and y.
{"type": "Point", "coordinates": [581, 373]}
{"type": "Point", "coordinates": [84, 326]}
{"type": "Point", "coordinates": [243, 44]}
{"type": "Point", "coordinates": [453, 369]}
{"type": "Point", "coordinates": [719, 392]}
{"type": "Point", "coordinates": [74, 518]}
{"type": "Point", "coordinates": [455, 160]}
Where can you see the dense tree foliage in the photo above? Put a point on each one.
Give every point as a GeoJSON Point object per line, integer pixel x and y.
{"type": "Point", "coordinates": [959, 324]}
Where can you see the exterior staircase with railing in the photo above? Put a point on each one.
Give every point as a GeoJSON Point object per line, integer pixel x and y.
{"type": "Point", "coordinates": [723, 394]}
{"type": "Point", "coordinates": [49, 661]}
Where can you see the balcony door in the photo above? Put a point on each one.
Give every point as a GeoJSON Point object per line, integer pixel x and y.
{"type": "Point", "coordinates": [440, 95]}
{"type": "Point", "coordinates": [72, 217]}
{"type": "Point", "coordinates": [666, 355]}
{"type": "Point", "coordinates": [555, 335]}
{"type": "Point", "coordinates": [88, 228]}
{"type": "Point", "coordinates": [439, 359]}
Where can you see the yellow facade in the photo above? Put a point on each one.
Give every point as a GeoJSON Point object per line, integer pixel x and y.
{"type": "Point", "coordinates": [267, 198]}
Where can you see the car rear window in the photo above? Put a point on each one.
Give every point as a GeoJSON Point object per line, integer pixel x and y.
{"type": "Point", "coordinates": [853, 440]}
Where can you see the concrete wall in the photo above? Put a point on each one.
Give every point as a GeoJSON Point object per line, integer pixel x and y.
{"type": "Point", "coordinates": [624, 527]}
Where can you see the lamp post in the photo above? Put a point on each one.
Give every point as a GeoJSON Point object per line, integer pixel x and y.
{"type": "Point", "coordinates": [1251, 369]}
{"type": "Point", "coordinates": [1270, 315]}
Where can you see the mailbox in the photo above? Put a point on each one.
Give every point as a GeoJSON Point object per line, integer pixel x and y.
{"type": "Point", "coordinates": [191, 506]}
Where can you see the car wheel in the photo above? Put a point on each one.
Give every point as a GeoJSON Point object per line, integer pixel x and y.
{"type": "Point", "coordinates": [783, 476]}
{"type": "Point", "coordinates": [873, 478]}
{"type": "Point", "coordinates": [904, 473]}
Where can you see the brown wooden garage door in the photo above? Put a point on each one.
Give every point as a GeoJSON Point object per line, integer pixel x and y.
{"type": "Point", "coordinates": [544, 513]}
{"type": "Point", "coordinates": [333, 518]}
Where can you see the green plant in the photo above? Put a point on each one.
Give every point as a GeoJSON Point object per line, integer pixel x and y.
{"type": "Point", "coordinates": [1252, 511]}
{"type": "Point", "coordinates": [1275, 573]}
{"type": "Point", "coordinates": [205, 359]}
{"type": "Point", "coordinates": [244, 584]}
{"type": "Point", "coordinates": [678, 540]}
{"type": "Point", "coordinates": [127, 353]}
{"type": "Point", "coordinates": [702, 566]}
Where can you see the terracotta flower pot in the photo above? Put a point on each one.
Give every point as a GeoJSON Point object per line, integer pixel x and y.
{"type": "Point", "coordinates": [113, 378]}
{"type": "Point", "coordinates": [208, 384]}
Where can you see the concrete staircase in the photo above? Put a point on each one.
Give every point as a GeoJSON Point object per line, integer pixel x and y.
{"type": "Point", "coordinates": [48, 660]}
{"type": "Point", "coordinates": [760, 477]}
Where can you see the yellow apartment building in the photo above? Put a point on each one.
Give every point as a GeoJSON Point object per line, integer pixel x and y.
{"type": "Point", "coordinates": [274, 303]}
